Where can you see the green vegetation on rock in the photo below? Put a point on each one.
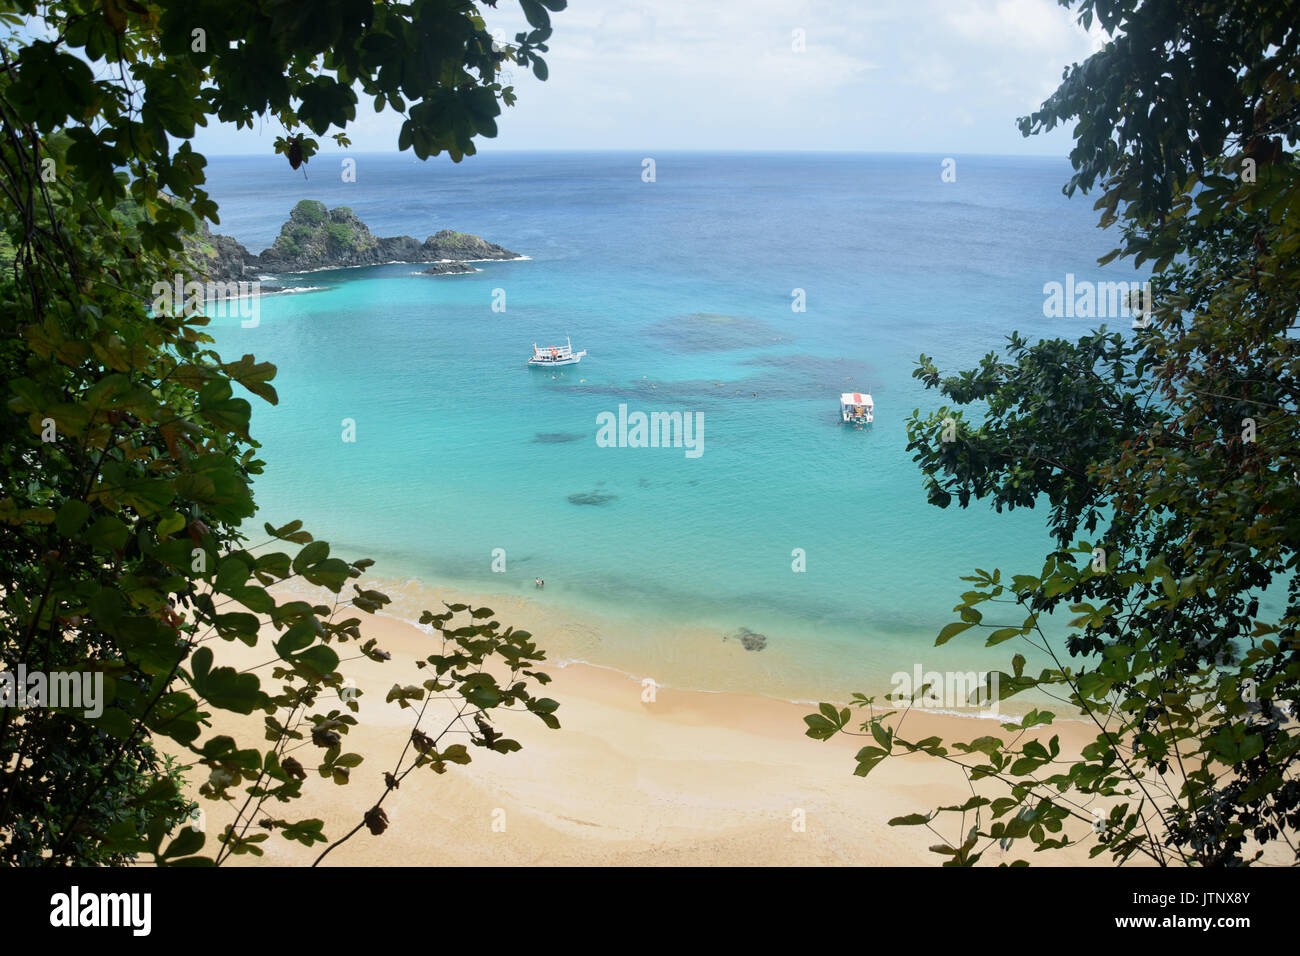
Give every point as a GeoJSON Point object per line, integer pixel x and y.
{"type": "Point", "coordinates": [309, 211]}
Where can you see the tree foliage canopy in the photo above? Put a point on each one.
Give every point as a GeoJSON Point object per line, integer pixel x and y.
{"type": "Point", "coordinates": [126, 460]}
{"type": "Point", "coordinates": [1167, 457]}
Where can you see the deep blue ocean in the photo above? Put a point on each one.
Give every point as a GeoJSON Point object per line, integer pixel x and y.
{"type": "Point", "coordinates": [681, 292]}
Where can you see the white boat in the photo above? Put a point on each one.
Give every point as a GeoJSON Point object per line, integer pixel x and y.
{"type": "Point", "coordinates": [856, 408]}
{"type": "Point", "coordinates": [556, 355]}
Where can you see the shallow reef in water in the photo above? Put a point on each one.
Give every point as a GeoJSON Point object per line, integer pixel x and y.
{"type": "Point", "coordinates": [590, 498]}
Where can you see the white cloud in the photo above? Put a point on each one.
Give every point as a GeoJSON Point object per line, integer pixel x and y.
{"type": "Point", "coordinates": [686, 74]}
{"type": "Point", "coordinates": [1018, 24]}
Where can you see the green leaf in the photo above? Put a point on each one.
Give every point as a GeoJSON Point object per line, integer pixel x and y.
{"type": "Point", "coordinates": [819, 728]}
{"type": "Point", "coordinates": [224, 687]}
{"type": "Point", "coordinates": [882, 736]}
{"type": "Point", "coordinates": [187, 842]}
{"type": "Point", "coordinates": [952, 630]}
{"type": "Point", "coordinates": [1002, 634]}
{"type": "Point", "coordinates": [320, 660]}
{"type": "Point", "coordinates": [311, 554]}
{"type": "Point", "coordinates": [911, 820]}
{"type": "Point", "coordinates": [71, 516]}
{"type": "Point", "coordinates": [169, 524]}
{"type": "Point", "coordinates": [107, 534]}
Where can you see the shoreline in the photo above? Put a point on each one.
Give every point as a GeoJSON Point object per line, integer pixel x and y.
{"type": "Point", "coordinates": [394, 262]}
{"type": "Point", "coordinates": [563, 663]}
{"type": "Point", "coordinates": [282, 290]}
{"type": "Point", "coordinates": [694, 660]}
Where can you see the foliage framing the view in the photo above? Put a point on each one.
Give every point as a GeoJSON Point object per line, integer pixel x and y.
{"type": "Point", "coordinates": [1167, 456]}
{"type": "Point", "coordinates": [126, 461]}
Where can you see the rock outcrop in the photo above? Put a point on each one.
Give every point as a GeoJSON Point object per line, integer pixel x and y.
{"type": "Point", "coordinates": [462, 247]}
{"type": "Point", "coordinates": [318, 238]}
{"type": "Point", "coordinates": [448, 269]}
{"type": "Point", "coordinates": [220, 258]}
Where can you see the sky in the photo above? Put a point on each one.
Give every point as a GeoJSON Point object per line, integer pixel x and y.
{"type": "Point", "coordinates": [925, 76]}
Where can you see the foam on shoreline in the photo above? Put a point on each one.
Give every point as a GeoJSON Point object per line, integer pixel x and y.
{"type": "Point", "coordinates": [393, 262]}
{"type": "Point", "coordinates": [551, 626]}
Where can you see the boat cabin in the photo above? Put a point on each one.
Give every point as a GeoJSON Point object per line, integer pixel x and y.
{"type": "Point", "coordinates": [856, 408]}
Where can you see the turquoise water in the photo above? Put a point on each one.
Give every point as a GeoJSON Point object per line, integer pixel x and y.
{"type": "Point", "coordinates": [681, 292]}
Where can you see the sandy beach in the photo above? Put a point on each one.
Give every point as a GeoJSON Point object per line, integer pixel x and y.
{"type": "Point", "coordinates": [687, 778]}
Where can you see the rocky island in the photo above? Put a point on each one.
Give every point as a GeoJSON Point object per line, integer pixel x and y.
{"type": "Point", "coordinates": [448, 269]}
{"type": "Point", "coordinates": [318, 238]}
